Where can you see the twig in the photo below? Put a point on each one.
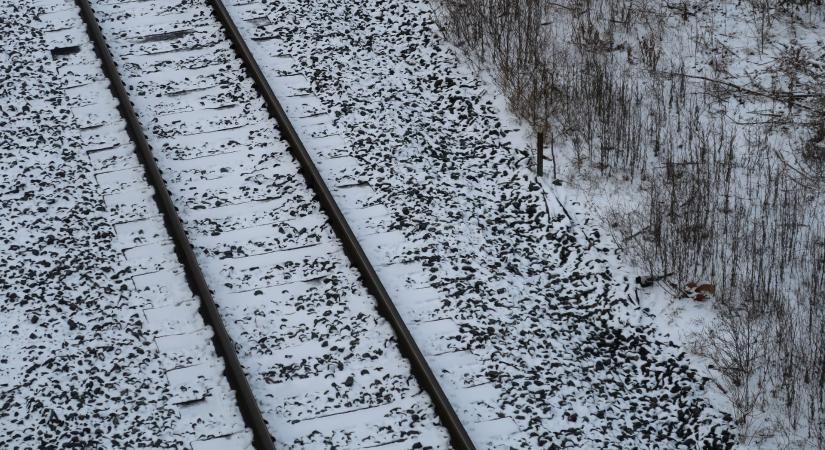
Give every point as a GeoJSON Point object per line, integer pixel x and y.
{"type": "Point", "coordinates": [772, 95]}
{"type": "Point", "coordinates": [798, 172]}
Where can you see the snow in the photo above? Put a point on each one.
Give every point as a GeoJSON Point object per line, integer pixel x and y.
{"type": "Point", "coordinates": [521, 303]}
{"type": "Point", "coordinates": [523, 307]}
{"type": "Point", "coordinates": [102, 342]}
{"type": "Point", "coordinates": [721, 41]}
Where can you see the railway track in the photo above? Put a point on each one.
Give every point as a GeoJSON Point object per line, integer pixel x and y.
{"type": "Point", "coordinates": [136, 351]}
{"type": "Point", "coordinates": [313, 345]}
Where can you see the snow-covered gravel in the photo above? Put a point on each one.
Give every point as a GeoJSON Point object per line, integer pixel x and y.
{"type": "Point", "coordinates": [520, 308]}
{"type": "Point", "coordinates": [321, 361]}
{"type": "Point", "coordinates": [101, 342]}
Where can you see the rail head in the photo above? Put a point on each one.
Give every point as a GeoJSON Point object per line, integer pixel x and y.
{"type": "Point", "coordinates": [262, 438]}
{"type": "Point", "coordinates": [459, 436]}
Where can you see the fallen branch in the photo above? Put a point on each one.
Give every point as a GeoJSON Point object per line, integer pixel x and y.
{"type": "Point", "coordinates": [774, 95]}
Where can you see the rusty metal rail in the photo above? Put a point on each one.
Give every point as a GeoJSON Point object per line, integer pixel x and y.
{"type": "Point", "coordinates": [262, 439]}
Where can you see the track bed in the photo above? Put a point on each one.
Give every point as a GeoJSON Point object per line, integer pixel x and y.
{"type": "Point", "coordinates": [322, 362]}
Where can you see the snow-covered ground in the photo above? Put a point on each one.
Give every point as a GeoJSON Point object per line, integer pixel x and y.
{"type": "Point", "coordinates": [753, 79]}
{"type": "Point", "coordinates": [521, 306]}
{"type": "Point", "coordinates": [741, 129]}
{"type": "Point", "coordinates": [322, 362]}
{"type": "Point", "coordinates": [101, 340]}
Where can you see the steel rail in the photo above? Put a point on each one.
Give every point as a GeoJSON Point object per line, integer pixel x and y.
{"type": "Point", "coordinates": [421, 369]}
{"type": "Point", "coordinates": [262, 439]}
